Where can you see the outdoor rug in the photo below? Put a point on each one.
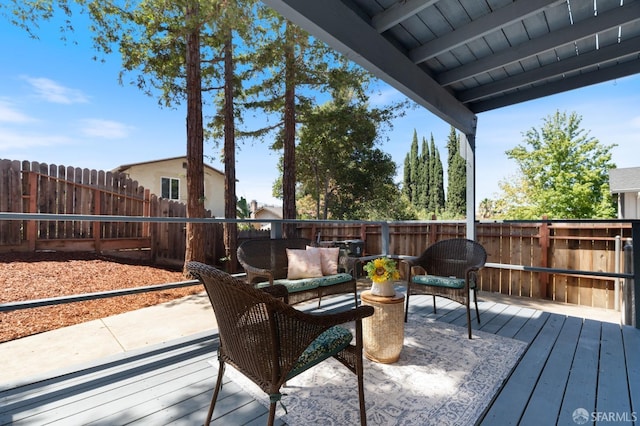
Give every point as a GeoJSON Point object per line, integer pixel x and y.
{"type": "Point", "coordinates": [441, 378]}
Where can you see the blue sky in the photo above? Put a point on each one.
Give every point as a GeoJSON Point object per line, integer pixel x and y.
{"type": "Point", "coordinates": [59, 106]}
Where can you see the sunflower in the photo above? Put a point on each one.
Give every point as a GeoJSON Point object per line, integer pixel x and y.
{"type": "Point", "coordinates": [382, 269]}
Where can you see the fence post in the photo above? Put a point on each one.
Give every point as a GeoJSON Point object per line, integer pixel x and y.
{"type": "Point", "coordinates": [276, 230]}
{"type": "Point", "coordinates": [616, 269]}
{"type": "Point", "coordinates": [544, 257]}
{"type": "Point", "coordinates": [384, 233]}
{"type": "Point", "coordinates": [146, 211]}
{"type": "Point", "coordinates": [97, 225]}
{"type": "Point", "coordinates": [635, 235]}
{"type": "Point", "coordinates": [32, 208]}
{"type": "Point", "coordinates": [628, 301]}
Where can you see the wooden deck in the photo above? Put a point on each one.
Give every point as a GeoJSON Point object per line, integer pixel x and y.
{"type": "Point", "coordinates": [570, 363]}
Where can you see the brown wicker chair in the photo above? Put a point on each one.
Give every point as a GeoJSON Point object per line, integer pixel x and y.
{"type": "Point", "coordinates": [265, 263]}
{"type": "Point", "coordinates": [449, 269]}
{"type": "Point", "coordinates": [269, 341]}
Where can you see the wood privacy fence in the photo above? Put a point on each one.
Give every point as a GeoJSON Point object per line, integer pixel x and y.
{"type": "Point", "coordinates": [38, 188]}
{"type": "Point", "coordinates": [31, 187]}
{"type": "Point", "coordinates": [578, 246]}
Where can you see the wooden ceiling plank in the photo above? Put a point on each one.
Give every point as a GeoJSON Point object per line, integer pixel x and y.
{"type": "Point", "coordinates": [499, 18]}
{"type": "Point", "coordinates": [630, 12]}
{"type": "Point", "coordinates": [575, 63]}
{"type": "Point", "coordinates": [398, 13]}
{"type": "Point", "coordinates": [564, 85]}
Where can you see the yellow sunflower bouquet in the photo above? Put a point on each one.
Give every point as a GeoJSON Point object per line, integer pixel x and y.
{"type": "Point", "coordinates": [382, 269]}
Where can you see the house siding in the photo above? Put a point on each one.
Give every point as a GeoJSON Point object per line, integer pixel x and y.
{"type": "Point", "coordinates": [150, 174]}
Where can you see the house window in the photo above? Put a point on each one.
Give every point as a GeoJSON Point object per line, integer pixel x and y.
{"type": "Point", "coordinates": [170, 188]}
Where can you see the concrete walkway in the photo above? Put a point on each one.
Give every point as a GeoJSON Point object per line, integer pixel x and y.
{"type": "Point", "coordinates": [62, 348]}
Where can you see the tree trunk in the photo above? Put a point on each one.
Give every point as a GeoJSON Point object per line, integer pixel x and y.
{"type": "Point", "coordinates": [289, 161]}
{"type": "Point", "coordinates": [195, 140]}
{"type": "Point", "coordinates": [230, 202]}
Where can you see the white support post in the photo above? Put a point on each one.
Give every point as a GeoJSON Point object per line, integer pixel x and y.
{"type": "Point", "coordinates": [467, 151]}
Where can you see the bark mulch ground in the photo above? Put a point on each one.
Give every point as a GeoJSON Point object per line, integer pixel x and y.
{"type": "Point", "coordinates": [28, 276]}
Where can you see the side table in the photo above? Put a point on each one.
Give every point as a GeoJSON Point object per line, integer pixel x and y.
{"type": "Point", "coordinates": [383, 332]}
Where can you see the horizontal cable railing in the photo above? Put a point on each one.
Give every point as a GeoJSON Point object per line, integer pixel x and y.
{"type": "Point", "coordinates": [385, 232]}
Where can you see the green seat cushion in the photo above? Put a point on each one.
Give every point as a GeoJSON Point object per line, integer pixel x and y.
{"type": "Point", "coordinates": [324, 346]}
{"type": "Point", "coordinates": [436, 281]}
{"type": "Point", "coordinates": [340, 278]}
{"type": "Point", "coordinates": [303, 284]}
{"type": "Point", "coordinates": [294, 285]}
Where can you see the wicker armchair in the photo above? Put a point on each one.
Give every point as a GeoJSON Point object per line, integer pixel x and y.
{"type": "Point", "coordinates": [449, 269]}
{"type": "Point", "coordinates": [270, 342]}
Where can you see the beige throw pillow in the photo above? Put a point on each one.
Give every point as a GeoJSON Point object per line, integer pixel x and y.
{"type": "Point", "coordinates": [329, 258]}
{"type": "Point", "coordinates": [303, 264]}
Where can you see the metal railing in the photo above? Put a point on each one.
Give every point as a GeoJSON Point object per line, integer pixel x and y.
{"type": "Point", "coordinates": [631, 284]}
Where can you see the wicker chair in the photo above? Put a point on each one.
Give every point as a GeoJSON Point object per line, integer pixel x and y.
{"type": "Point", "coordinates": [449, 269]}
{"type": "Point", "coordinates": [269, 341]}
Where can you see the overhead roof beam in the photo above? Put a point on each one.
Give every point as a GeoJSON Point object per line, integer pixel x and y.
{"type": "Point", "coordinates": [610, 73]}
{"type": "Point", "coordinates": [341, 28]}
{"type": "Point", "coordinates": [627, 13]}
{"type": "Point", "coordinates": [398, 13]}
{"type": "Point", "coordinates": [574, 63]}
{"type": "Point", "coordinates": [514, 12]}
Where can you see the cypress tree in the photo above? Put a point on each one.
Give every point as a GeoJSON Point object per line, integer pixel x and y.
{"type": "Point", "coordinates": [424, 176]}
{"type": "Point", "coordinates": [436, 180]}
{"type": "Point", "coordinates": [414, 169]}
{"type": "Point", "coordinates": [406, 178]}
{"type": "Point", "coordinates": [457, 177]}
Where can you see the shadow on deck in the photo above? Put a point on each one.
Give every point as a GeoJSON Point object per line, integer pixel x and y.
{"type": "Point", "coordinates": [570, 364]}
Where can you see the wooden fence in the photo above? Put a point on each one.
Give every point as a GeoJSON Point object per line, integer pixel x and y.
{"type": "Point", "coordinates": [38, 188]}
{"type": "Point", "coordinates": [31, 187]}
{"type": "Point", "coordinates": [578, 246]}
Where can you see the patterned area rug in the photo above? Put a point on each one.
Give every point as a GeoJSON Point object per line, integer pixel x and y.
{"type": "Point", "coordinates": [441, 378]}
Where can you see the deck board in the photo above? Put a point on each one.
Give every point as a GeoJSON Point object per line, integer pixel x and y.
{"type": "Point", "coordinates": [542, 408]}
{"type": "Point", "coordinates": [514, 397]}
{"type": "Point", "coordinates": [583, 378]}
{"type": "Point", "coordinates": [632, 356]}
{"type": "Point", "coordinates": [569, 364]}
{"type": "Point", "coordinates": [613, 393]}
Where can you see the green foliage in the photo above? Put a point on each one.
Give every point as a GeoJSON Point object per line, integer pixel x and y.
{"type": "Point", "coordinates": [338, 164]}
{"type": "Point", "coordinates": [244, 212]}
{"type": "Point", "coordinates": [436, 181]}
{"type": "Point", "coordinates": [563, 174]}
{"type": "Point", "coordinates": [424, 178]}
{"type": "Point", "coordinates": [456, 178]}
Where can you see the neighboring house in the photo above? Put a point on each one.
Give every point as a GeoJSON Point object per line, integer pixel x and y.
{"type": "Point", "coordinates": [264, 212]}
{"type": "Point", "coordinates": [167, 178]}
{"type": "Point", "coordinates": [626, 183]}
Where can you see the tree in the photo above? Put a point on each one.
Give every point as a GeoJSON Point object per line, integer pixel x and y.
{"type": "Point", "coordinates": [424, 176]}
{"type": "Point", "coordinates": [456, 177]}
{"type": "Point", "coordinates": [436, 181]}
{"type": "Point", "coordinates": [177, 51]}
{"type": "Point", "coordinates": [243, 212]}
{"type": "Point", "coordinates": [414, 169]}
{"type": "Point", "coordinates": [338, 163]}
{"type": "Point", "coordinates": [289, 59]}
{"type": "Point", "coordinates": [564, 173]}
{"type": "Point", "coordinates": [162, 41]}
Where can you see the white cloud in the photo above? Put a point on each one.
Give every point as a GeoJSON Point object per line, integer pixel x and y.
{"type": "Point", "coordinates": [19, 140]}
{"type": "Point", "coordinates": [104, 129]}
{"type": "Point", "coordinates": [53, 92]}
{"type": "Point", "coordinates": [8, 114]}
